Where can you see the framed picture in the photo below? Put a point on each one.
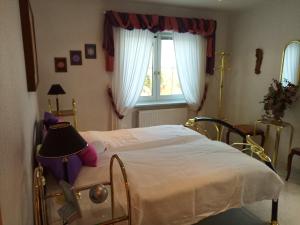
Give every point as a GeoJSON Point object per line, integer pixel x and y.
{"type": "Point", "coordinates": [28, 34]}
{"type": "Point", "coordinates": [75, 58]}
{"type": "Point", "coordinates": [90, 51]}
{"type": "Point", "coordinates": [60, 64]}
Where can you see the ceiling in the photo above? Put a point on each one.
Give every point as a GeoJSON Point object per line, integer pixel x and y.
{"type": "Point", "coordinates": [210, 4]}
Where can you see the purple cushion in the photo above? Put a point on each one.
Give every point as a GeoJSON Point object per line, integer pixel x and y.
{"type": "Point", "coordinates": [50, 119]}
{"type": "Point", "coordinates": [55, 166]}
{"type": "Point", "coordinates": [89, 156]}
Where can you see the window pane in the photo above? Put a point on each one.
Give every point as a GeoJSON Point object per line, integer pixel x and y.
{"type": "Point", "coordinates": [147, 89]}
{"type": "Point", "coordinates": [169, 82]}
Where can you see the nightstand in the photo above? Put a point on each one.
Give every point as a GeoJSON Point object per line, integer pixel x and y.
{"type": "Point", "coordinates": [65, 113]}
{"type": "Point", "coordinates": [279, 125]}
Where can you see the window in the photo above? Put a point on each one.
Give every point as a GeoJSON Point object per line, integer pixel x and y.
{"type": "Point", "coordinates": [162, 84]}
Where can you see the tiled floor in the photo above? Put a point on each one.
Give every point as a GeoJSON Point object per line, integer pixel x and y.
{"type": "Point", "coordinates": [259, 213]}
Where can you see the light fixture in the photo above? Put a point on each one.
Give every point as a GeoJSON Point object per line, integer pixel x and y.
{"type": "Point", "coordinates": [62, 140]}
{"type": "Point", "coordinates": [56, 89]}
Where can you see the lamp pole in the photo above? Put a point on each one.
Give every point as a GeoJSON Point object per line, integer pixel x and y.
{"type": "Point", "coordinates": [57, 105]}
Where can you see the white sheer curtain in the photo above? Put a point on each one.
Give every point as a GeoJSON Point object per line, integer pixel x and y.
{"type": "Point", "coordinates": [291, 64]}
{"type": "Point", "coordinates": [132, 55]}
{"type": "Point", "coordinates": [190, 60]}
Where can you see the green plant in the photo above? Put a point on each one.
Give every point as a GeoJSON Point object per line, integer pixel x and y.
{"type": "Point", "coordinates": [279, 98]}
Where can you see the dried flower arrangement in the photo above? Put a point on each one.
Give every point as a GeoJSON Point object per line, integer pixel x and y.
{"type": "Point", "coordinates": [278, 99]}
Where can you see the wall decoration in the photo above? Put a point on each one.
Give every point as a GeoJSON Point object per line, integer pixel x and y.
{"type": "Point", "coordinates": [60, 64]}
{"type": "Point", "coordinates": [90, 51]}
{"type": "Point", "coordinates": [28, 34]}
{"type": "Point", "coordinates": [259, 57]}
{"type": "Point", "coordinates": [75, 58]}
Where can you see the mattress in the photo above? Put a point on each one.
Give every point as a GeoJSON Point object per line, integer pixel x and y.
{"type": "Point", "coordinates": [177, 176]}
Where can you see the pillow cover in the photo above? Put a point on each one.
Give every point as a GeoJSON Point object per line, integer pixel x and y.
{"type": "Point", "coordinates": [50, 119]}
{"type": "Point", "coordinates": [56, 168]}
{"type": "Point", "coordinates": [98, 146]}
{"type": "Point", "coordinates": [95, 138]}
{"type": "Point", "coordinates": [89, 156]}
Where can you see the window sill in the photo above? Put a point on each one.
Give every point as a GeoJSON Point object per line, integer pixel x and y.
{"type": "Point", "coordinates": [153, 105]}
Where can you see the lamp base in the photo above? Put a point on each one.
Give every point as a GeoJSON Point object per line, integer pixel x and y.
{"type": "Point", "coordinates": [57, 105]}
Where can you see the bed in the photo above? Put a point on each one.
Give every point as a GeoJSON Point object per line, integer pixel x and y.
{"type": "Point", "coordinates": [177, 176]}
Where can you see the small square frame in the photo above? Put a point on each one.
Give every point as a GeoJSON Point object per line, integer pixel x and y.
{"type": "Point", "coordinates": [90, 51]}
{"type": "Point", "coordinates": [75, 57]}
{"type": "Point", "coordinates": [60, 64]}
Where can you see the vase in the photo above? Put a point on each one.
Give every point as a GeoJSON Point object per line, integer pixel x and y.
{"type": "Point", "coordinates": [270, 116]}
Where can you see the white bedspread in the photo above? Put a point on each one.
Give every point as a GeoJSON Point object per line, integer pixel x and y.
{"type": "Point", "coordinates": [118, 140]}
{"type": "Point", "coordinates": [177, 176]}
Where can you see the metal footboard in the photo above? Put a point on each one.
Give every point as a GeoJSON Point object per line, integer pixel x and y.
{"type": "Point", "coordinates": [40, 196]}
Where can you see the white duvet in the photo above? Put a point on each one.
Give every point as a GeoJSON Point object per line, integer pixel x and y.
{"type": "Point", "coordinates": [178, 176]}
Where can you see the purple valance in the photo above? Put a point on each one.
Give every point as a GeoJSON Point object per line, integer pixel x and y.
{"type": "Point", "coordinates": [154, 23]}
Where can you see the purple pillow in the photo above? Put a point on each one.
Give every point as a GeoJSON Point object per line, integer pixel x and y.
{"type": "Point", "coordinates": [50, 119]}
{"type": "Point", "coordinates": [55, 166]}
{"type": "Point", "coordinates": [89, 156]}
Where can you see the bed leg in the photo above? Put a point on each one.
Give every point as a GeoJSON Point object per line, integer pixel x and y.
{"type": "Point", "coordinates": [274, 217]}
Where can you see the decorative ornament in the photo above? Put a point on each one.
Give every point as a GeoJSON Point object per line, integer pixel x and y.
{"type": "Point", "coordinates": [259, 57]}
{"type": "Point", "coordinates": [98, 193]}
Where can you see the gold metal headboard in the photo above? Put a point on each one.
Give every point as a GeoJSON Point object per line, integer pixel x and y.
{"type": "Point", "coordinates": [249, 145]}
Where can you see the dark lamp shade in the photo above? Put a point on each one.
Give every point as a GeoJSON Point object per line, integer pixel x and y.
{"type": "Point", "coordinates": [62, 140]}
{"type": "Point", "coordinates": [56, 89]}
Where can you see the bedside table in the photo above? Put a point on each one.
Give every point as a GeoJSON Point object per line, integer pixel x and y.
{"type": "Point", "coordinates": [279, 126]}
{"type": "Point", "coordinates": [65, 113]}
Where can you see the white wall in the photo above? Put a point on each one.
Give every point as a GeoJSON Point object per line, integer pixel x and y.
{"type": "Point", "coordinates": [18, 113]}
{"type": "Point", "coordinates": [63, 25]}
{"type": "Point", "coordinates": [270, 27]}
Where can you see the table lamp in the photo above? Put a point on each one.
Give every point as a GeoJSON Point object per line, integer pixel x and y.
{"type": "Point", "coordinates": [56, 89]}
{"type": "Point", "coordinates": [62, 140]}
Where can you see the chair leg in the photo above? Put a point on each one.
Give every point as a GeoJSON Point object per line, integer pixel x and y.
{"type": "Point", "coordinates": [262, 140]}
{"type": "Point", "coordinates": [244, 141]}
{"type": "Point", "coordinates": [274, 216]}
{"type": "Point", "coordinates": [289, 166]}
{"type": "Point", "coordinates": [228, 137]}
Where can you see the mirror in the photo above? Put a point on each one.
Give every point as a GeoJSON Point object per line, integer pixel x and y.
{"type": "Point", "coordinates": [290, 66]}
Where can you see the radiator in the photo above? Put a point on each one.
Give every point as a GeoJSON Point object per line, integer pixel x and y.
{"type": "Point", "coordinates": [155, 117]}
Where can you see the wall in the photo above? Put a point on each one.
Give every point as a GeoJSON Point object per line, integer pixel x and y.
{"type": "Point", "coordinates": [270, 27]}
{"type": "Point", "coordinates": [18, 113]}
{"type": "Point", "coordinates": [63, 25]}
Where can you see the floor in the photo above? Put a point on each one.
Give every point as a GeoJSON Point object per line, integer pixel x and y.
{"type": "Point", "coordinates": [259, 213]}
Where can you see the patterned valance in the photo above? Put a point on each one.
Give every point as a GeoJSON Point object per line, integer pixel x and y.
{"type": "Point", "coordinates": [154, 23]}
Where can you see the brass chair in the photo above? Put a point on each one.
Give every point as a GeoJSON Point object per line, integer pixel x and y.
{"type": "Point", "coordinates": [294, 151]}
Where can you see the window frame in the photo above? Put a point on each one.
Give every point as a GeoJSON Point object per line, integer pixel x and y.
{"type": "Point", "coordinates": [156, 98]}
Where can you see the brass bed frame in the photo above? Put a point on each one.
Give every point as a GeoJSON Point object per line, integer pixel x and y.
{"type": "Point", "coordinates": [248, 145]}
